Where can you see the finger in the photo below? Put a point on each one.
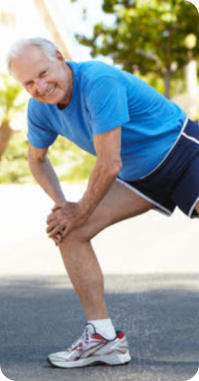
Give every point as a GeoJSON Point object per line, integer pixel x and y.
{"type": "Point", "coordinates": [54, 231]}
{"type": "Point", "coordinates": [56, 242]}
{"type": "Point", "coordinates": [65, 231]}
{"type": "Point", "coordinates": [51, 226]}
{"type": "Point", "coordinates": [57, 206]}
{"type": "Point", "coordinates": [58, 238]}
{"type": "Point", "coordinates": [50, 218]}
{"type": "Point", "coordinates": [54, 225]}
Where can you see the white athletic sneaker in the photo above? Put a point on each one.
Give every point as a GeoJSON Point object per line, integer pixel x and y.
{"type": "Point", "coordinates": [92, 348]}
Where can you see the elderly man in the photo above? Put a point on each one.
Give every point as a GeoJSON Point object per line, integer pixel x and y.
{"type": "Point", "coordinates": [147, 157]}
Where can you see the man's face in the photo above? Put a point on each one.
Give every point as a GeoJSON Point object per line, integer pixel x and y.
{"type": "Point", "coordinates": [47, 81]}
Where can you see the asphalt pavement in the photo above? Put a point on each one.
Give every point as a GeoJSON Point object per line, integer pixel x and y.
{"type": "Point", "coordinates": [159, 315]}
{"type": "Point", "coordinates": [151, 268]}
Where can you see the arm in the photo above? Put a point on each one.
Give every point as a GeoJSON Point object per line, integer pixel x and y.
{"type": "Point", "coordinates": [107, 167]}
{"type": "Point", "coordinates": [43, 172]}
{"type": "Point", "coordinates": [68, 216]}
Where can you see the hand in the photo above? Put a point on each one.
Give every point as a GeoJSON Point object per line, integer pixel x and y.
{"type": "Point", "coordinates": [64, 217]}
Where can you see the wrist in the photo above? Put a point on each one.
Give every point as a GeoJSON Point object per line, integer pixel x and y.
{"type": "Point", "coordinates": [84, 210]}
{"type": "Point", "coordinates": [60, 200]}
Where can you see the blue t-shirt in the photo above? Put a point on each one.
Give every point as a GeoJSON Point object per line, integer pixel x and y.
{"type": "Point", "coordinates": [104, 98]}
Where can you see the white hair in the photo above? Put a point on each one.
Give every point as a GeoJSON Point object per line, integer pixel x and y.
{"type": "Point", "coordinates": [48, 48]}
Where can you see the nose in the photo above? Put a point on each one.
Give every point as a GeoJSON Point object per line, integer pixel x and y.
{"type": "Point", "coordinates": [40, 86]}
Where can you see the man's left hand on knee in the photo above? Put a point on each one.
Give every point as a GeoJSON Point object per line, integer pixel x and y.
{"type": "Point", "coordinates": [64, 218]}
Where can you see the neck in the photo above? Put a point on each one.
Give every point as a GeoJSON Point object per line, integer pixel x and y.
{"type": "Point", "coordinates": [66, 100]}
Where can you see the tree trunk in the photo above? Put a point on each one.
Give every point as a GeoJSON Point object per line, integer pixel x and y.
{"type": "Point", "coordinates": [191, 85]}
{"type": "Point", "coordinates": [5, 135]}
{"type": "Point", "coordinates": [167, 83]}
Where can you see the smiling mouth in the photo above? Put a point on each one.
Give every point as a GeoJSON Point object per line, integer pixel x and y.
{"type": "Point", "coordinates": [50, 91]}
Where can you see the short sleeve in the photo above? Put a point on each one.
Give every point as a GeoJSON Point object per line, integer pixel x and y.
{"type": "Point", "coordinates": [40, 135]}
{"type": "Point", "coordinates": [107, 104]}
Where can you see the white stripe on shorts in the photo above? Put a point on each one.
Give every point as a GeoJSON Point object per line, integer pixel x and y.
{"type": "Point", "coordinates": [197, 199]}
{"type": "Point", "coordinates": [190, 138]}
{"type": "Point", "coordinates": [193, 207]}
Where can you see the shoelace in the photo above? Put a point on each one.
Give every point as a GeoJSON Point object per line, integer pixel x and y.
{"type": "Point", "coordinates": [85, 335]}
{"type": "Point", "coordinates": [84, 338]}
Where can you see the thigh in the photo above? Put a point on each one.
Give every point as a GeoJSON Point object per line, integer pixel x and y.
{"type": "Point", "coordinates": [118, 204]}
{"type": "Point", "coordinates": [197, 207]}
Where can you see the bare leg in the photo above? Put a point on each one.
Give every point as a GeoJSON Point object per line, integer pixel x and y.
{"type": "Point", "coordinates": [77, 253]}
{"type": "Point", "coordinates": [86, 276]}
{"type": "Point", "coordinates": [197, 208]}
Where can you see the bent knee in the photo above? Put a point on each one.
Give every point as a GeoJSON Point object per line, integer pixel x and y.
{"type": "Point", "coordinates": [89, 229]}
{"type": "Point", "coordinates": [81, 234]}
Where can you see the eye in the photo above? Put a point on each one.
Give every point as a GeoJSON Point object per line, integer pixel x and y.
{"type": "Point", "coordinates": [43, 73]}
{"type": "Point", "coordinates": [28, 84]}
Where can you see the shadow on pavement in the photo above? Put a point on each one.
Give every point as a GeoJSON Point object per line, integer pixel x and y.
{"type": "Point", "coordinates": [159, 314]}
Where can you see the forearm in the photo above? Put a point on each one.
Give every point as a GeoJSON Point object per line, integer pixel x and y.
{"type": "Point", "coordinates": [100, 181]}
{"type": "Point", "coordinates": [72, 215]}
{"type": "Point", "coordinates": [45, 175]}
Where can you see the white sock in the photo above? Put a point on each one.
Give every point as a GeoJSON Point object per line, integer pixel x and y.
{"type": "Point", "coordinates": [104, 327]}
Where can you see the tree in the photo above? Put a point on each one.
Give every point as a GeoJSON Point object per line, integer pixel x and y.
{"type": "Point", "coordinates": [9, 106]}
{"type": "Point", "coordinates": [146, 36]}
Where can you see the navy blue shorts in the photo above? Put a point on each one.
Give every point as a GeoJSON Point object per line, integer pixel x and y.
{"type": "Point", "coordinates": [175, 182]}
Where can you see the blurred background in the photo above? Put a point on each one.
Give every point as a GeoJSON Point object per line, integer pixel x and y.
{"type": "Point", "coordinates": [151, 263]}
{"type": "Point", "coordinates": [156, 40]}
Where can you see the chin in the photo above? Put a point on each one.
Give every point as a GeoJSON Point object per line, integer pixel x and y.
{"type": "Point", "coordinates": [53, 101]}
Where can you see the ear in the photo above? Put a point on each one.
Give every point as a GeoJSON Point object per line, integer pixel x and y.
{"type": "Point", "coordinates": [60, 56]}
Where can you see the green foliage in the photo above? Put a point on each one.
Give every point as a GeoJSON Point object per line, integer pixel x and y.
{"type": "Point", "coordinates": [80, 171]}
{"type": "Point", "coordinates": [70, 163]}
{"type": "Point", "coordinates": [14, 165]}
{"type": "Point", "coordinates": [10, 102]}
{"type": "Point", "coordinates": [147, 36]}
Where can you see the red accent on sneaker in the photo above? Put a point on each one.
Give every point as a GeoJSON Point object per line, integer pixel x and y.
{"type": "Point", "coordinates": [120, 335]}
{"type": "Point", "coordinates": [97, 336]}
{"type": "Point", "coordinates": [77, 346]}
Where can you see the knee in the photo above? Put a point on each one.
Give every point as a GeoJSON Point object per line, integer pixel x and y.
{"type": "Point", "coordinates": [79, 235]}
